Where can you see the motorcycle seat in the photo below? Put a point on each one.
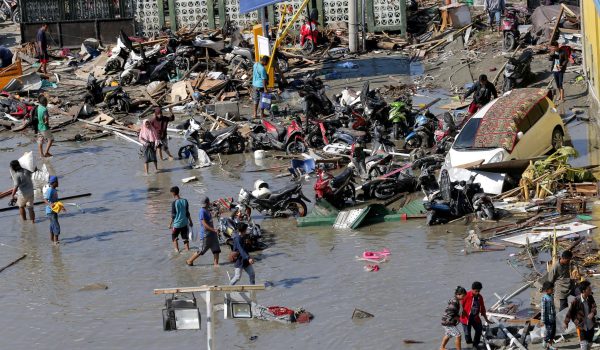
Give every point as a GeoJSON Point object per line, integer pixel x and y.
{"type": "Point", "coordinates": [280, 131]}
{"type": "Point", "coordinates": [108, 89]}
{"type": "Point", "coordinates": [219, 132]}
{"type": "Point", "coordinates": [340, 178]}
{"type": "Point", "coordinates": [276, 195]}
{"type": "Point", "coordinates": [355, 133]}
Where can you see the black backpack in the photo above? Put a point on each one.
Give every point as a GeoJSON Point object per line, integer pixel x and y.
{"type": "Point", "coordinates": [33, 119]}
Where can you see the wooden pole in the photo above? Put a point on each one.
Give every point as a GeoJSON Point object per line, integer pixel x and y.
{"type": "Point", "coordinates": [61, 198]}
{"type": "Point", "coordinates": [13, 262]}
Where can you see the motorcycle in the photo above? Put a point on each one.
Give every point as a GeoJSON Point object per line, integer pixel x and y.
{"type": "Point", "coordinates": [112, 96]}
{"type": "Point", "coordinates": [271, 135]}
{"type": "Point", "coordinates": [372, 166]}
{"type": "Point", "coordinates": [224, 140]}
{"type": "Point", "coordinates": [15, 108]}
{"type": "Point", "coordinates": [119, 54]}
{"type": "Point", "coordinates": [286, 201]}
{"type": "Point", "coordinates": [320, 132]}
{"type": "Point", "coordinates": [456, 199]}
{"type": "Point", "coordinates": [314, 100]}
{"type": "Point", "coordinates": [423, 132]}
{"type": "Point", "coordinates": [510, 29]}
{"type": "Point", "coordinates": [227, 226]}
{"type": "Point", "coordinates": [517, 71]}
{"type": "Point", "coordinates": [337, 190]}
{"type": "Point", "coordinates": [242, 58]}
{"type": "Point", "coordinates": [309, 33]}
{"type": "Point", "coordinates": [383, 188]}
{"type": "Point", "coordinates": [9, 9]}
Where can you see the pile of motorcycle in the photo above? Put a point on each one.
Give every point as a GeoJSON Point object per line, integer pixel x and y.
{"type": "Point", "coordinates": [448, 201]}
{"type": "Point", "coordinates": [228, 215]}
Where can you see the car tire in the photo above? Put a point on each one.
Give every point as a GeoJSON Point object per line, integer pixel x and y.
{"type": "Point", "coordinates": [557, 138]}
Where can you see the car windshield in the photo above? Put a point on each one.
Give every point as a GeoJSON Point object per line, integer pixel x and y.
{"type": "Point", "coordinates": [466, 138]}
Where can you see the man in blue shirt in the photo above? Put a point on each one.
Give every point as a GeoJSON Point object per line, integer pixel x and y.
{"type": "Point", "coordinates": [180, 219]}
{"type": "Point", "coordinates": [51, 197]}
{"type": "Point", "coordinates": [209, 233]}
{"type": "Point", "coordinates": [6, 56]}
{"type": "Point", "coordinates": [259, 82]}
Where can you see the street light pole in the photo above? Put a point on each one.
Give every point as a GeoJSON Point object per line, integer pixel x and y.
{"type": "Point", "coordinates": [352, 30]}
{"type": "Point", "coordinates": [210, 330]}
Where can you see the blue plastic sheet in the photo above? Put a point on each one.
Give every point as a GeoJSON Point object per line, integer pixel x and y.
{"type": "Point", "coordinates": [253, 5]}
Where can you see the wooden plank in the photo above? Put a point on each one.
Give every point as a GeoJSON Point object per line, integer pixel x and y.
{"type": "Point", "coordinates": [557, 24]}
{"type": "Point", "coordinates": [206, 288]}
{"type": "Point", "coordinates": [471, 164]}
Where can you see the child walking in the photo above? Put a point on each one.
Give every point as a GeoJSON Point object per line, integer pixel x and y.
{"type": "Point", "coordinates": [53, 207]}
{"type": "Point", "coordinates": [451, 318]}
{"type": "Point", "coordinates": [548, 314]}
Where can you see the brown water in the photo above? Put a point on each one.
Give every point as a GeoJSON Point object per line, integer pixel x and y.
{"type": "Point", "coordinates": [122, 240]}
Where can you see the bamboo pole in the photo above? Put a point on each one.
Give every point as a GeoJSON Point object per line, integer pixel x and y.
{"type": "Point", "coordinates": [13, 262]}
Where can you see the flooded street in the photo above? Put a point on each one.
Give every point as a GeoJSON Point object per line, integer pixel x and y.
{"type": "Point", "coordinates": [122, 240]}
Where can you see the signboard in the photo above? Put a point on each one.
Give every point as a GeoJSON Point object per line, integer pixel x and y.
{"type": "Point", "coordinates": [263, 46]}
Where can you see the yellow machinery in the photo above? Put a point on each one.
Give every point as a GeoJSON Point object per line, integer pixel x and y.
{"type": "Point", "coordinates": [281, 33]}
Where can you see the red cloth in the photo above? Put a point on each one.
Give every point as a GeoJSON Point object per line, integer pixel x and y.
{"type": "Point", "coordinates": [280, 310]}
{"type": "Point", "coordinates": [467, 302]}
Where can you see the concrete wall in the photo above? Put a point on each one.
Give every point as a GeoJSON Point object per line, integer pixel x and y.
{"type": "Point", "coordinates": [590, 13]}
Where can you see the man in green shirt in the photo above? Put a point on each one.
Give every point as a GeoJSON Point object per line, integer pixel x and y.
{"type": "Point", "coordinates": [44, 133]}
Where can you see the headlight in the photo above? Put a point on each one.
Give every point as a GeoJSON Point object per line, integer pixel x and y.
{"type": "Point", "coordinates": [498, 157]}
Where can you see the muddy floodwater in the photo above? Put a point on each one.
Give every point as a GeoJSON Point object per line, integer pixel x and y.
{"type": "Point", "coordinates": [122, 240]}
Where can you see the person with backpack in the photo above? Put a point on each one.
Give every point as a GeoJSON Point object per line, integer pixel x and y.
{"type": "Point", "coordinates": [451, 319]}
{"type": "Point", "coordinates": [240, 256]}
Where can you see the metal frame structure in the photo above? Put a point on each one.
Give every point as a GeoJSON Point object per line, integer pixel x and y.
{"type": "Point", "coordinates": [72, 21]}
{"type": "Point", "coordinates": [208, 297]}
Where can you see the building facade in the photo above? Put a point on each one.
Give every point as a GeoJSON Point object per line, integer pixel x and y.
{"type": "Point", "coordinates": [590, 16]}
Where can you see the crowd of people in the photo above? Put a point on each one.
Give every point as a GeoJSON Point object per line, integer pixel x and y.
{"type": "Point", "coordinates": [467, 308]}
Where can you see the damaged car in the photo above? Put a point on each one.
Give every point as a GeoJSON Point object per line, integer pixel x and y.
{"type": "Point", "coordinates": [520, 125]}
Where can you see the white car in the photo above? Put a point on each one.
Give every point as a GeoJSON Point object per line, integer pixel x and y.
{"type": "Point", "coordinates": [521, 124]}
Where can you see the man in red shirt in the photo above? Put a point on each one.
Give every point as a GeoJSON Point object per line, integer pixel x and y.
{"type": "Point", "coordinates": [473, 306]}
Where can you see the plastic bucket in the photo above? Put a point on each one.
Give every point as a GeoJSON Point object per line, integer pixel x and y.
{"type": "Point", "coordinates": [259, 154]}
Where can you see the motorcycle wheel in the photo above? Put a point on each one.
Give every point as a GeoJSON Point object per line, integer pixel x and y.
{"type": "Point", "coordinates": [296, 207]}
{"type": "Point", "coordinates": [349, 193]}
{"type": "Point", "coordinates": [308, 47]}
{"type": "Point", "coordinates": [183, 150]}
{"type": "Point", "coordinates": [112, 66]}
{"type": "Point", "coordinates": [384, 190]}
{"type": "Point", "coordinates": [509, 42]}
{"type": "Point", "coordinates": [315, 139]}
{"type": "Point", "coordinates": [413, 143]}
{"type": "Point", "coordinates": [16, 16]}
{"type": "Point", "coordinates": [490, 213]}
{"type": "Point", "coordinates": [295, 147]}
{"type": "Point", "coordinates": [284, 65]}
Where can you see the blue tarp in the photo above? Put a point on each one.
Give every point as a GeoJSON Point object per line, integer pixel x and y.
{"type": "Point", "coordinates": [253, 5]}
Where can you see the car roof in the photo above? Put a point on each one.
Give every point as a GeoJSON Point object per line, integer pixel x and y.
{"type": "Point", "coordinates": [498, 122]}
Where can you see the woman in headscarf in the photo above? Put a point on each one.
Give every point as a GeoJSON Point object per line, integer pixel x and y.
{"type": "Point", "coordinates": [149, 139]}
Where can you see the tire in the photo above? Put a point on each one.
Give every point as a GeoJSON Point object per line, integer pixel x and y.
{"type": "Point", "coordinates": [349, 193]}
{"type": "Point", "coordinates": [113, 66]}
{"type": "Point", "coordinates": [16, 16]}
{"type": "Point", "coordinates": [182, 151]}
{"type": "Point", "coordinates": [297, 207]}
{"type": "Point", "coordinates": [557, 138]}
{"type": "Point", "coordinates": [384, 190]}
{"type": "Point", "coordinates": [284, 65]}
{"type": "Point", "coordinates": [123, 105]}
{"type": "Point", "coordinates": [508, 85]}
{"type": "Point", "coordinates": [308, 47]}
{"type": "Point", "coordinates": [413, 143]}
{"type": "Point", "coordinates": [295, 147]}
{"type": "Point", "coordinates": [315, 139]}
{"type": "Point", "coordinates": [509, 42]}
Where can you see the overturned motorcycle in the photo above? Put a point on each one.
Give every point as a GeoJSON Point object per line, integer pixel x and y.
{"type": "Point", "coordinates": [288, 201]}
